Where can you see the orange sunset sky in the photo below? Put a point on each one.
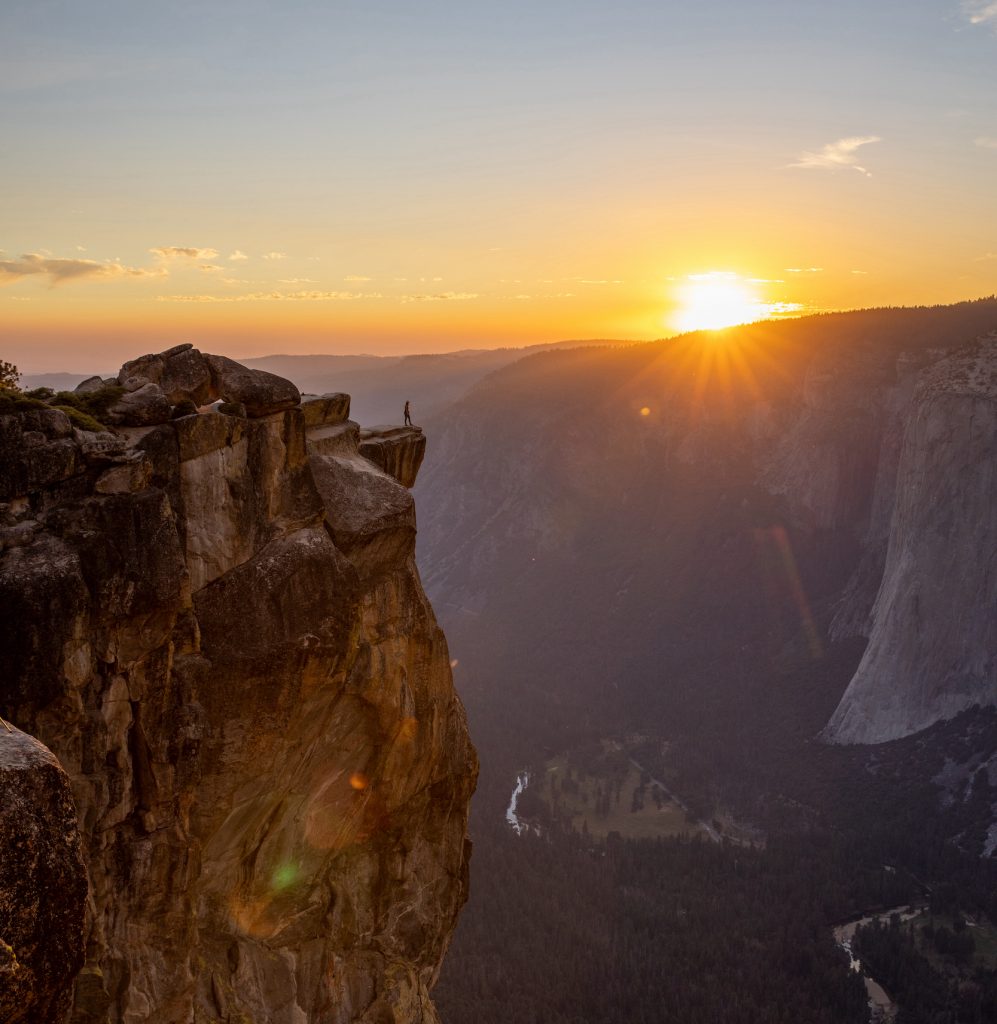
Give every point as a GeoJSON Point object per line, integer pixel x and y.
{"type": "Point", "coordinates": [388, 177]}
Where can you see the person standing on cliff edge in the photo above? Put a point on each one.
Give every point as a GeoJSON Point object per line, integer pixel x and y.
{"type": "Point", "coordinates": [408, 416]}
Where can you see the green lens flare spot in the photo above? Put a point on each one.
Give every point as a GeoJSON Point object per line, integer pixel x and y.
{"type": "Point", "coordinates": [285, 875]}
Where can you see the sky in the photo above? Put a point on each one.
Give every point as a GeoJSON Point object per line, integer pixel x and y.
{"type": "Point", "coordinates": [393, 177]}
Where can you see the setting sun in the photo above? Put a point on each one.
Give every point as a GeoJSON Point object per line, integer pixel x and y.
{"type": "Point", "coordinates": [715, 300]}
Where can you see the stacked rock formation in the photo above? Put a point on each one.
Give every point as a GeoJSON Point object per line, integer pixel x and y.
{"type": "Point", "coordinates": [215, 623]}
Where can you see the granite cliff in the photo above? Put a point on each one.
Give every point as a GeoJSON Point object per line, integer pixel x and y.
{"type": "Point", "coordinates": [932, 629]}
{"type": "Point", "coordinates": [214, 621]}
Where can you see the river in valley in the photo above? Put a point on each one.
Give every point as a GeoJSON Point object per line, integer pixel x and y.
{"type": "Point", "coordinates": [881, 1005]}
{"type": "Point", "coordinates": [522, 781]}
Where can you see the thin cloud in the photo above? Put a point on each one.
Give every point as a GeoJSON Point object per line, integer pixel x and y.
{"type": "Point", "coordinates": [211, 267]}
{"type": "Point", "coordinates": [275, 256]}
{"type": "Point", "coordinates": [804, 270]}
{"type": "Point", "coordinates": [58, 270]}
{"type": "Point", "coordinates": [297, 280]}
{"type": "Point", "coordinates": [356, 277]}
{"type": "Point", "coordinates": [183, 252]}
{"type": "Point", "coordinates": [836, 155]}
{"type": "Point", "coordinates": [985, 142]}
{"type": "Point", "coordinates": [237, 255]}
{"type": "Point", "coordinates": [986, 256]}
{"type": "Point", "coordinates": [863, 272]}
{"type": "Point", "coordinates": [585, 280]}
{"type": "Point", "coordinates": [301, 296]}
{"type": "Point", "coordinates": [980, 12]}
{"type": "Point", "coordinates": [441, 297]}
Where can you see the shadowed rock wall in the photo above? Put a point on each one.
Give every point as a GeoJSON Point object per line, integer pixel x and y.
{"type": "Point", "coordinates": [43, 884]}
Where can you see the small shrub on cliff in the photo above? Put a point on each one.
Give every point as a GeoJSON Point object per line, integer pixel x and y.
{"type": "Point", "coordinates": [42, 394]}
{"type": "Point", "coordinates": [9, 376]}
{"type": "Point", "coordinates": [12, 401]}
{"type": "Point", "coordinates": [184, 408]}
{"type": "Point", "coordinates": [82, 420]}
{"type": "Point", "coordinates": [92, 403]}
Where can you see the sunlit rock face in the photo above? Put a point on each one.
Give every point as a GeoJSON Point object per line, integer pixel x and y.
{"type": "Point", "coordinates": [397, 450]}
{"type": "Point", "coordinates": [933, 638]}
{"type": "Point", "coordinates": [43, 884]}
{"type": "Point", "coordinates": [220, 633]}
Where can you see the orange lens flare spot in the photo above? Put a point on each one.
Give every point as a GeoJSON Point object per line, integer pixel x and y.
{"type": "Point", "coordinates": [645, 411]}
{"type": "Point", "coordinates": [359, 781]}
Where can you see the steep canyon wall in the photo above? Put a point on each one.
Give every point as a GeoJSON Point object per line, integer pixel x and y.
{"type": "Point", "coordinates": [215, 622]}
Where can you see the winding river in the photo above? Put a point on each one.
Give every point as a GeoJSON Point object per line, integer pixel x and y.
{"type": "Point", "coordinates": [880, 1003]}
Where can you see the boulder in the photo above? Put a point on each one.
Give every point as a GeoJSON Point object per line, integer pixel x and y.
{"type": "Point", "coordinates": [371, 517]}
{"type": "Point", "coordinates": [91, 384]}
{"type": "Point", "coordinates": [43, 884]}
{"type": "Point", "coordinates": [325, 410]}
{"type": "Point", "coordinates": [53, 423]}
{"type": "Point", "coordinates": [260, 392]}
{"type": "Point", "coordinates": [143, 407]}
{"type": "Point", "coordinates": [181, 373]}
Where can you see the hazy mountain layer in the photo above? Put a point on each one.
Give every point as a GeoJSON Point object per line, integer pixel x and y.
{"type": "Point", "coordinates": [644, 534]}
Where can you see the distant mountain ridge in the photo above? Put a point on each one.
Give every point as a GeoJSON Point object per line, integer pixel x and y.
{"type": "Point", "coordinates": [622, 535]}
{"type": "Point", "coordinates": [379, 385]}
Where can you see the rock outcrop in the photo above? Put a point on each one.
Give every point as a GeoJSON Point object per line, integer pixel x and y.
{"type": "Point", "coordinates": [933, 630]}
{"type": "Point", "coordinates": [43, 884]}
{"type": "Point", "coordinates": [217, 627]}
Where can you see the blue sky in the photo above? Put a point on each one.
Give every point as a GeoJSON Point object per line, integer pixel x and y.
{"type": "Point", "coordinates": [509, 152]}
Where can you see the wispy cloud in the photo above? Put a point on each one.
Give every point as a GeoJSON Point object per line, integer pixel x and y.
{"type": "Point", "coordinates": [183, 252]}
{"type": "Point", "coordinates": [441, 297]}
{"type": "Point", "coordinates": [237, 255]}
{"type": "Point", "coordinates": [275, 256]}
{"type": "Point", "coordinates": [58, 270]}
{"type": "Point", "coordinates": [862, 272]}
{"type": "Point", "coordinates": [985, 142]}
{"type": "Point", "coordinates": [980, 12]}
{"type": "Point", "coordinates": [355, 277]}
{"type": "Point", "coordinates": [804, 270]}
{"type": "Point", "coordinates": [301, 296]}
{"type": "Point", "coordinates": [297, 280]}
{"type": "Point", "coordinates": [836, 155]}
{"type": "Point", "coordinates": [585, 280]}
{"type": "Point", "coordinates": [986, 256]}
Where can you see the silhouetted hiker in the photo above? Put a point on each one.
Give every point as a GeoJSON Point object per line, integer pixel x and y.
{"type": "Point", "coordinates": [408, 416]}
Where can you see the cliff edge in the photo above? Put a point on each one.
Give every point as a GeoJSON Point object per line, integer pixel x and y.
{"type": "Point", "coordinates": [214, 620]}
{"type": "Point", "coordinates": [932, 632]}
